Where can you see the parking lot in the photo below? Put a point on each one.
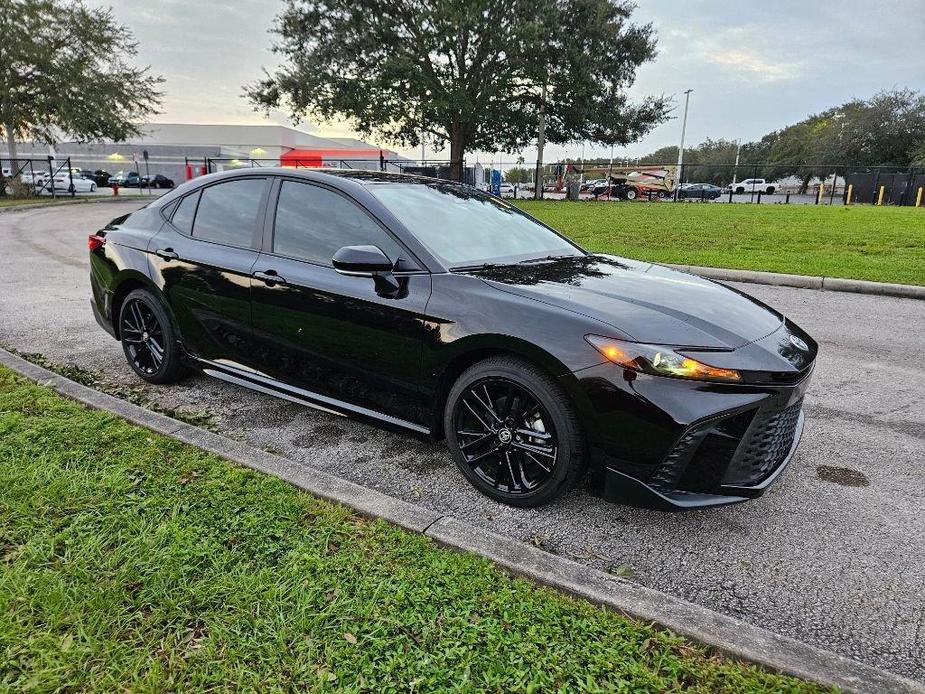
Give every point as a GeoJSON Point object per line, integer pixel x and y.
{"type": "Point", "coordinates": [833, 555]}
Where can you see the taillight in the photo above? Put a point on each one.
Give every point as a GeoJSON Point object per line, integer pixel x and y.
{"type": "Point", "coordinates": [95, 241]}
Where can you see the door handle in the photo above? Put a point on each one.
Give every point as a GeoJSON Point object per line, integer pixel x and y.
{"type": "Point", "coordinates": [166, 254]}
{"type": "Point", "coordinates": [270, 277]}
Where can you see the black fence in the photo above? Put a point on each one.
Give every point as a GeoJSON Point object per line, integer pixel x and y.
{"type": "Point", "coordinates": [32, 177]}
{"type": "Point", "coordinates": [628, 180]}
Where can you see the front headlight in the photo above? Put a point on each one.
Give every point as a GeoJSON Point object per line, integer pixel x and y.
{"type": "Point", "coordinates": [659, 361]}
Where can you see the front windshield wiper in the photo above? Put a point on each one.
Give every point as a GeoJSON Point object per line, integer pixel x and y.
{"type": "Point", "coordinates": [476, 266]}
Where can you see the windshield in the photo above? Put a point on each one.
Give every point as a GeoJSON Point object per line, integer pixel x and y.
{"type": "Point", "coordinates": [465, 227]}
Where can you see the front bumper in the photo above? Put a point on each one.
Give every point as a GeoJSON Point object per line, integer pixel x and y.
{"type": "Point", "coordinates": [622, 488]}
{"type": "Point", "coordinates": [672, 444]}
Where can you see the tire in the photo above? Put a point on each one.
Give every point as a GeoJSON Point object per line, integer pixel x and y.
{"type": "Point", "coordinates": [740, 190]}
{"type": "Point", "coordinates": [488, 410]}
{"type": "Point", "coordinates": [632, 194]}
{"type": "Point", "coordinates": [770, 190]}
{"type": "Point", "coordinates": [92, 187]}
{"type": "Point", "coordinates": [149, 339]}
{"type": "Point", "coordinates": [71, 189]}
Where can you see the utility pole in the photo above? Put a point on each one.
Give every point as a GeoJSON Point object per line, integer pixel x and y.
{"type": "Point", "coordinates": [735, 169]}
{"type": "Point", "coordinates": [687, 101]}
{"type": "Point", "coordinates": [540, 143]}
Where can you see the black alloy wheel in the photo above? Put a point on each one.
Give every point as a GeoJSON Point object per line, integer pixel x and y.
{"type": "Point", "coordinates": [148, 338]}
{"type": "Point", "coordinates": [512, 432]}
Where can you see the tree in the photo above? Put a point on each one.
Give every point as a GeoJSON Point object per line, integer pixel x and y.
{"type": "Point", "coordinates": [475, 74]}
{"type": "Point", "coordinates": [517, 174]}
{"type": "Point", "coordinates": [66, 69]}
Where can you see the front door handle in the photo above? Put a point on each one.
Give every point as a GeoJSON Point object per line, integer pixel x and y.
{"type": "Point", "coordinates": [270, 277]}
{"type": "Point", "coordinates": [166, 254]}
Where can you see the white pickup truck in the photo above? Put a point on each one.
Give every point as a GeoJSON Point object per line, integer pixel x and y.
{"type": "Point", "coordinates": [753, 185]}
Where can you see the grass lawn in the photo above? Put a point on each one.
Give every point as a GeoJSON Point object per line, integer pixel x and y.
{"type": "Point", "coordinates": [21, 202]}
{"type": "Point", "coordinates": [883, 244]}
{"type": "Point", "coordinates": [130, 561]}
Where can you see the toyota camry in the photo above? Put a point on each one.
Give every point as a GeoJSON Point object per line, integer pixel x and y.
{"type": "Point", "coordinates": [432, 307]}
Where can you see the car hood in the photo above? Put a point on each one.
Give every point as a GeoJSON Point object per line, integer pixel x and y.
{"type": "Point", "coordinates": [645, 302]}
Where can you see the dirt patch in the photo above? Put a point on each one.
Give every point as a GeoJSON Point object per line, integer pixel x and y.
{"type": "Point", "coordinates": [842, 475]}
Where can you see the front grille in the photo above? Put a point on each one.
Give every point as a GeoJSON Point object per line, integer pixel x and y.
{"type": "Point", "coordinates": [765, 445]}
{"type": "Point", "coordinates": [740, 450]}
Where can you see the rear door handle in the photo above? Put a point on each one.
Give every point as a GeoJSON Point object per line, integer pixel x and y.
{"type": "Point", "coordinates": [270, 277]}
{"type": "Point", "coordinates": [166, 254]}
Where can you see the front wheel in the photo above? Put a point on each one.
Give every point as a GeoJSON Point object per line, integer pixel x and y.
{"type": "Point", "coordinates": [770, 190]}
{"type": "Point", "coordinates": [92, 187]}
{"type": "Point", "coordinates": [148, 338]}
{"type": "Point", "coordinates": [513, 433]}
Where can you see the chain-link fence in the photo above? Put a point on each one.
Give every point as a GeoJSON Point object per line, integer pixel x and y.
{"type": "Point", "coordinates": [25, 178]}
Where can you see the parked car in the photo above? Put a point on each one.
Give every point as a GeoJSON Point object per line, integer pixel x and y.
{"type": "Point", "coordinates": [126, 179]}
{"type": "Point", "coordinates": [506, 190]}
{"type": "Point", "coordinates": [532, 357]}
{"type": "Point", "coordinates": [98, 176]}
{"type": "Point", "coordinates": [753, 185]}
{"type": "Point", "coordinates": [699, 191]}
{"type": "Point", "coordinates": [156, 181]}
{"type": "Point", "coordinates": [590, 184]}
{"type": "Point", "coordinates": [73, 183]}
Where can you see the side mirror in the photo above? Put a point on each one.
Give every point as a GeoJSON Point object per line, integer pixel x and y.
{"type": "Point", "coordinates": [361, 261]}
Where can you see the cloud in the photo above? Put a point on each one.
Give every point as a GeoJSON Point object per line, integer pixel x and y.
{"type": "Point", "coordinates": [750, 66]}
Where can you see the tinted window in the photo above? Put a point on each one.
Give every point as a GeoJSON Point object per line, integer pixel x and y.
{"type": "Point", "coordinates": [462, 226]}
{"type": "Point", "coordinates": [228, 211]}
{"type": "Point", "coordinates": [183, 217]}
{"type": "Point", "coordinates": [312, 223]}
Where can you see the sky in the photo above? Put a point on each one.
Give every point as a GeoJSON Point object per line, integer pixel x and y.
{"type": "Point", "coordinates": [753, 66]}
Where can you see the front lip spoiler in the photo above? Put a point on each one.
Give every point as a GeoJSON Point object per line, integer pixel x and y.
{"type": "Point", "coordinates": [624, 489]}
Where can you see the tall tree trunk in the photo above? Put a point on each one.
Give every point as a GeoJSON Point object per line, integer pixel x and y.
{"type": "Point", "coordinates": [11, 145]}
{"type": "Point", "coordinates": [540, 144]}
{"type": "Point", "coordinates": [457, 150]}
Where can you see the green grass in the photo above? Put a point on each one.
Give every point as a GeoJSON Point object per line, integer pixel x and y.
{"type": "Point", "coordinates": [130, 561]}
{"type": "Point", "coordinates": [21, 202]}
{"type": "Point", "coordinates": [883, 244]}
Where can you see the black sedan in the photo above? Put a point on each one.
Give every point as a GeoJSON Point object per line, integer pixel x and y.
{"type": "Point", "coordinates": [433, 307]}
{"type": "Point", "coordinates": [156, 181]}
{"type": "Point", "coordinates": [699, 191]}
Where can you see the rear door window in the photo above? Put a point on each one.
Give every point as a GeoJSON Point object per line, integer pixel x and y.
{"type": "Point", "coordinates": [228, 212]}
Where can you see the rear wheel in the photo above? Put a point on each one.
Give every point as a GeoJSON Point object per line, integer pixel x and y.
{"type": "Point", "coordinates": [148, 338]}
{"type": "Point", "coordinates": [770, 190]}
{"type": "Point", "coordinates": [513, 432]}
{"type": "Point", "coordinates": [631, 194]}
{"type": "Point", "coordinates": [92, 187]}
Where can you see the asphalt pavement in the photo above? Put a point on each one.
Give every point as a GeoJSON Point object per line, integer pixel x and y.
{"type": "Point", "coordinates": [833, 554]}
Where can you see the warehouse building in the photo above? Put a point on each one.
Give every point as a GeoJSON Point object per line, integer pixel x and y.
{"type": "Point", "coordinates": [173, 149]}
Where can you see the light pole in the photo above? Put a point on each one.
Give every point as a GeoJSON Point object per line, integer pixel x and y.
{"type": "Point", "coordinates": [687, 101]}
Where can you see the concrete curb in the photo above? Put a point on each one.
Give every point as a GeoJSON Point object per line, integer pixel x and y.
{"type": "Point", "coordinates": [835, 284]}
{"type": "Point", "coordinates": [726, 634]}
